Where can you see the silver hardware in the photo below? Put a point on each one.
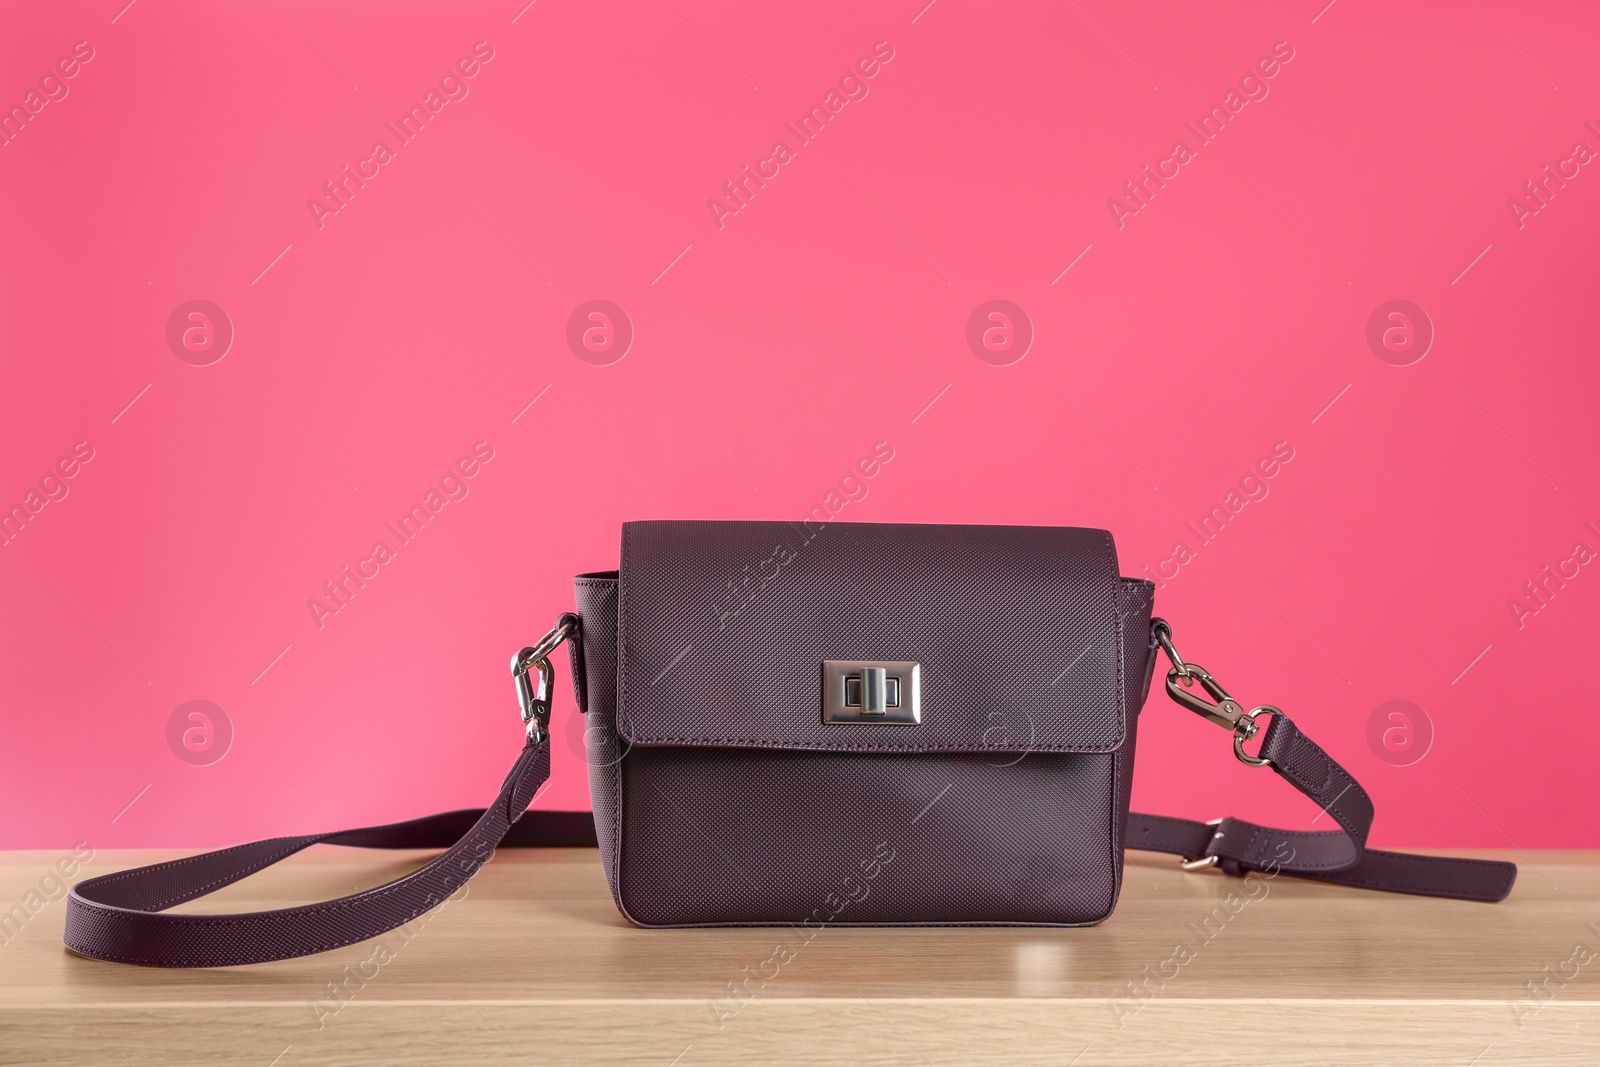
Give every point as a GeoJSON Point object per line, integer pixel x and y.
{"type": "Point", "coordinates": [874, 691]}
{"type": "Point", "coordinates": [535, 702]}
{"type": "Point", "coordinates": [1162, 632]}
{"type": "Point", "coordinates": [1203, 862]}
{"type": "Point", "coordinates": [886, 692]}
{"type": "Point", "coordinates": [1239, 739]}
{"type": "Point", "coordinates": [1221, 709]}
{"type": "Point", "coordinates": [1225, 712]}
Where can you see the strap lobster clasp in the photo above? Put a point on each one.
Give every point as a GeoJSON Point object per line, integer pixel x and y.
{"type": "Point", "coordinates": [535, 701]}
{"type": "Point", "coordinates": [1221, 709]}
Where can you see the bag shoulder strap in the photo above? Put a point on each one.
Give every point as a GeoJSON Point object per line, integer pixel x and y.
{"type": "Point", "coordinates": [1239, 847]}
{"type": "Point", "coordinates": [123, 916]}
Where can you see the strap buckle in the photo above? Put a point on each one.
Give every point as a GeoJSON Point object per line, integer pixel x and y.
{"type": "Point", "coordinates": [1221, 709]}
{"type": "Point", "coordinates": [535, 703]}
{"type": "Point", "coordinates": [1205, 860]}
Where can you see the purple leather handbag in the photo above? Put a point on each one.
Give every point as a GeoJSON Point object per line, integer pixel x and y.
{"type": "Point", "coordinates": [840, 724]}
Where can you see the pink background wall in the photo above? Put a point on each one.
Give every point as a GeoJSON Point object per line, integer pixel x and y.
{"type": "Point", "coordinates": [1173, 347]}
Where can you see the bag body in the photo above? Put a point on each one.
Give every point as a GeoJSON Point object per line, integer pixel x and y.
{"type": "Point", "coordinates": [808, 724]}
{"type": "Point", "coordinates": [722, 797]}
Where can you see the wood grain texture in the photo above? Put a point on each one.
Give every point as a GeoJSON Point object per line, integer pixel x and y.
{"type": "Point", "coordinates": [532, 964]}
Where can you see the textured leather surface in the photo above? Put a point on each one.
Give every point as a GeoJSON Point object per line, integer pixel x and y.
{"type": "Point", "coordinates": [724, 627]}
{"type": "Point", "coordinates": [721, 836]}
{"type": "Point", "coordinates": [123, 916]}
{"type": "Point", "coordinates": [759, 833]}
{"type": "Point", "coordinates": [1330, 855]}
{"type": "Point", "coordinates": [596, 596]}
{"type": "Point", "coordinates": [715, 835]}
{"type": "Point", "coordinates": [1136, 600]}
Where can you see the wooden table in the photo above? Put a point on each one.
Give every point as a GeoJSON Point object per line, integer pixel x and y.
{"type": "Point", "coordinates": [533, 965]}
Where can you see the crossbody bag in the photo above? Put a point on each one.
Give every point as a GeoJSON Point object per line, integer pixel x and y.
{"type": "Point", "coordinates": [839, 724]}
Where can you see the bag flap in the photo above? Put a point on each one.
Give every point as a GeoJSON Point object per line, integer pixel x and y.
{"type": "Point", "coordinates": [723, 629]}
